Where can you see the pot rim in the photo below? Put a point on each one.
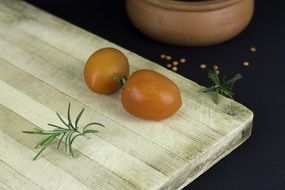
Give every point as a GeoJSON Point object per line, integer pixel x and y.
{"type": "Point", "coordinates": [206, 5]}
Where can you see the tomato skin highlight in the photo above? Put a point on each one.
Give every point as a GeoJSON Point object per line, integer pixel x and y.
{"type": "Point", "coordinates": [150, 95]}
{"type": "Point", "coordinates": [103, 67]}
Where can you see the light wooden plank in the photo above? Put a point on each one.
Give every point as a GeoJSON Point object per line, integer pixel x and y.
{"type": "Point", "coordinates": [133, 170]}
{"type": "Point", "coordinates": [42, 172]}
{"type": "Point", "coordinates": [11, 179]}
{"type": "Point", "coordinates": [90, 173]}
{"type": "Point", "coordinates": [4, 187]}
{"type": "Point", "coordinates": [128, 141]}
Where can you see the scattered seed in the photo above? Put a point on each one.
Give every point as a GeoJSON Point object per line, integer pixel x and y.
{"type": "Point", "coordinates": [252, 49]}
{"type": "Point", "coordinates": [203, 66]}
{"type": "Point", "coordinates": [182, 60]}
{"type": "Point", "coordinates": [175, 63]}
{"type": "Point", "coordinates": [168, 65]}
{"type": "Point", "coordinates": [246, 63]}
{"type": "Point", "coordinates": [216, 67]}
{"type": "Point", "coordinates": [168, 57]}
{"type": "Point", "coordinates": [174, 68]}
{"type": "Point", "coordinates": [162, 56]}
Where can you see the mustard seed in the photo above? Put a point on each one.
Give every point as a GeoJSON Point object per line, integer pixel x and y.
{"type": "Point", "coordinates": [162, 56]}
{"type": "Point", "coordinates": [168, 57]}
{"type": "Point", "coordinates": [252, 49]}
{"type": "Point", "coordinates": [203, 66]}
{"type": "Point", "coordinates": [182, 60]}
{"type": "Point", "coordinates": [218, 72]}
{"type": "Point", "coordinates": [246, 63]}
{"type": "Point", "coordinates": [168, 65]}
{"type": "Point", "coordinates": [175, 63]}
{"type": "Point", "coordinates": [174, 68]}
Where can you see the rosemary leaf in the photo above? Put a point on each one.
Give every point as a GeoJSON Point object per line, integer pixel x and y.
{"type": "Point", "coordinates": [67, 141]}
{"type": "Point", "coordinates": [70, 145]}
{"type": "Point", "coordinates": [75, 136]}
{"type": "Point", "coordinates": [216, 97]}
{"type": "Point", "coordinates": [78, 118]}
{"type": "Point", "coordinates": [89, 131]}
{"type": "Point", "coordinates": [43, 141]}
{"type": "Point", "coordinates": [88, 125]}
{"type": "Point", "coordinates": [45, 146]}
{"type": "Point", "coordinates": [58, 127]}
{"type": "Point", "coordinates": [231, 81]}
{"type": "Point", "coordinates": [38, 132]}
{"type": "Point", "coordinates": [62, 120]}
{"type": "Point", "coordinates": [69, 118]}
{"type": "Point", "coordinates": [60, 140]}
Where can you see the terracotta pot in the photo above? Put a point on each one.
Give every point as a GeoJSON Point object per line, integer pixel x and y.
{"type": "Point", "coordinates": [190, 23]}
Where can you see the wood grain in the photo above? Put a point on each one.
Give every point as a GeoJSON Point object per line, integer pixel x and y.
{"type": "Point", "coordinates": [41, 63]}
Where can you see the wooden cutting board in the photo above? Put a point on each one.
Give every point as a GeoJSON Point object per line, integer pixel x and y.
{"type": "Point", "coordinates": [41, 63]}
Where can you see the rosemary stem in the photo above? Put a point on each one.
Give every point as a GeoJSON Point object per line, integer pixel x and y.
{"type": "Point", "coordinates": [67, 134]}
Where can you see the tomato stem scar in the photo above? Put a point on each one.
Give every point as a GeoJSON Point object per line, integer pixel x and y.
{"type": "Point", "coordinates": [121, 81]}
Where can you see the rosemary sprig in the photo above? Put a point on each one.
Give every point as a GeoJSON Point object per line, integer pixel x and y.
{"type": "Point", "coordinates": [221, 87]}
{"type": "Point", "coordinates": [68, 133]}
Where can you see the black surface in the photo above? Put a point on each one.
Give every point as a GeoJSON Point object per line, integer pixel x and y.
{"type": "Point", "coordinates": [260, 162]}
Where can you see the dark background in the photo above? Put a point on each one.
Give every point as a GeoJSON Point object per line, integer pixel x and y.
{"type": "Point", "coordinates": [260, 162]}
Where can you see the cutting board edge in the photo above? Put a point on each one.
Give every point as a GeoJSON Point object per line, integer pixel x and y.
{"type": "Point", "coordinates": [239, 136]}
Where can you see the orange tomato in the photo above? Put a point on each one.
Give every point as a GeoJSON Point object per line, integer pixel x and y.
{"type": "Point", "coordinates": [150, 95]}
{"type": "Point", "coordinates": [103, 67]}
